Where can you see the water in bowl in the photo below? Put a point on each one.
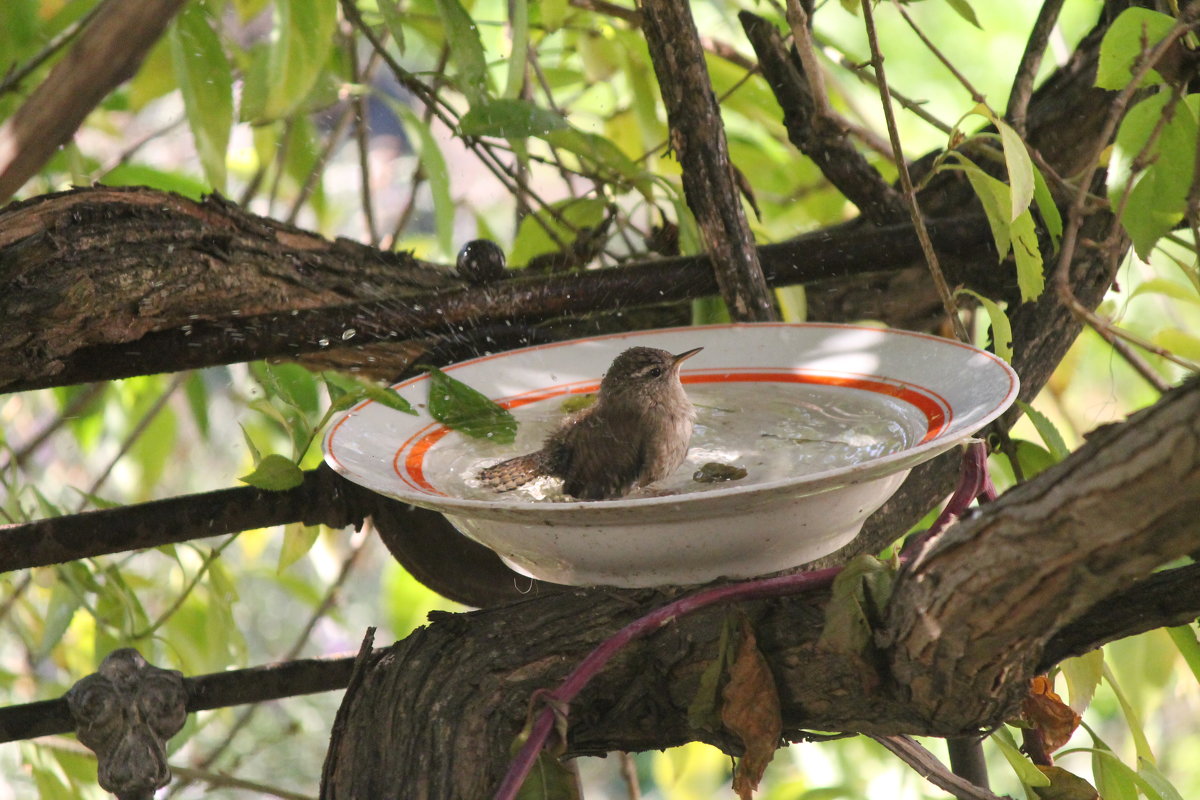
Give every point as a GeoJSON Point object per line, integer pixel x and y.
{"type": "Point", "coordinates": [772, 430]}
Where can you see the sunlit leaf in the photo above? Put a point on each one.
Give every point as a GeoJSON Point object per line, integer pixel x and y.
{"type": "Point", "coordinates": [64, 602]}
{"type": "Point", "coordinates": [274, 473]}
{"type": "Point", "coordinates": [458, 406]}
{"type": "Point", "coordinates": [1083, 674]}
{"type": "Point", "coordinates": [996, 199]}
{"type": "Point", "coordinates": [1151, 774]}
{"type": "Point", "coordinates": [601, 155]}
{"type": "Point", "coordinates": [206, 83]}
{"type": "Point", "coordinates": [359, 388]}
{"type": "Point", "coordinates": [1020, 168]}
{"type": "Point", "coordinates": [1132, 33]}
{"type": "Point", "coordinates": [1158, 199]}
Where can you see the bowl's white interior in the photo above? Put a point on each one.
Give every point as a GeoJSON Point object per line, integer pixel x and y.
{"type": "Point", "coordinates": [946, 390]}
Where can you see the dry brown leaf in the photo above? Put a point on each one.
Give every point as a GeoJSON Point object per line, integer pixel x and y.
{"type": "Point", "coordinates": [750, 710]}
{"type": "Point", "coordinates": [1046, 711]}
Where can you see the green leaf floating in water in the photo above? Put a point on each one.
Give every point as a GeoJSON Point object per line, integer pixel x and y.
{"type": "Point", "coordinates": [458, 406]}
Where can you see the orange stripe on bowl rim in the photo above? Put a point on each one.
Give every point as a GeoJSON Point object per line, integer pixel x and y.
{"type": "Point", "coordinates": [409, 461]}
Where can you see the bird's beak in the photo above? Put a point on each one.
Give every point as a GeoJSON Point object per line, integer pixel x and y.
{"type": "Point", "coordinates": [686, 355]}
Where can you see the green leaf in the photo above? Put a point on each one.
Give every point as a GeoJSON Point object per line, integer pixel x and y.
{"type": "Point", "coordinates": [433, 164]}
{"type": "Point", "coordinates": [298, 539]}
{"type": "Point", "coordinates": [1020, 168]}
{"type": "Point", "coordinates": [1132, 720]}
{"type": "Point", "coordinates": [304, 38]}
{"type": "Point", "coordinates": [1047, 209]}
{"type": "Point", "coordinates": [1167, 288]}
{"type": "Point", "coordinates": [1032, 458]}
{"type": "Point", "coordinates": [1181, 343]}
{"type": "Point", "coordinates": [509, 119]}
{"type": "Point", "coordinates": [274, 473]}
{"type": "Point", "coordinates": [1152, 776]}
{"type": "Point", "coordinates": [1158, 199]}
{"type": "Point", "coordinates": [964, 10]}
{"type": "Point", "coordinates": [996, 199]}
{"type": "Point", "coordinates": [553, 14]}
{"type": "Point", "coordinates": [254, 454]}
{"type": "Point", "coordinates": [1001, 328]}
{"type": "Point", "coordinates": [519, 33]}
{"type": "Point", "coordinates": [1027, 254]}
{"type": "Point", "coordinates": [1027, 771]}
{"type": "Point", "coordinates": [1045, 428]}
{"type": "Point", "coordinates": [466, 50]}
{"type": "Point", "coordinates": [458, 406]}
{"type": "Point", "coordinates": [860, 592]}
{"type": "Point", "coordinates": [1184, 637]}
{"type": "Point", "coordinates": [206, 83]}
{"type": "Point", "coordinates": [1131, 33]}
{"type": "Point", "coordinates": [599, 154]}
{"type": "Point", "coordinates": [1083, 674]}
{"type": "Point", "coordinates": [704, 711]}
{"type": "Point", "coordinates": [64, 602]}
{"type": "Point", "coordinates": [710, 310]}
{"type": "Point", "coordinates": [360, 388]}
{"type": "Point", "coordinates": [533, 240]}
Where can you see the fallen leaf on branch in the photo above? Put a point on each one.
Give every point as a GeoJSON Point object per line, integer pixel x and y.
{"type": "Point", "coordinates": [751, 711]}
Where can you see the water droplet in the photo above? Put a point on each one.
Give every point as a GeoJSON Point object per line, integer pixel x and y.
{"type": "Point", "coordinates": [348, 334]}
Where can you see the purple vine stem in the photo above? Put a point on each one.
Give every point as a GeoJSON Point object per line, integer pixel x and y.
{"type": "Point", "coordinates": [973, 483]}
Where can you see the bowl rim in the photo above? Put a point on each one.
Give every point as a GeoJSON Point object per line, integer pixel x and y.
{"type": "Point", "coordinates": [809, 483]}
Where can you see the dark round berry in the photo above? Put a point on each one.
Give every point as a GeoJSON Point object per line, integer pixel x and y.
{"type": "Point", "coordinates": [481, 261]}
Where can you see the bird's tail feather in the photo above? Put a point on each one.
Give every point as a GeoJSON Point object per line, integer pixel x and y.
{"type": "Point", "coordinates": [515, 472]}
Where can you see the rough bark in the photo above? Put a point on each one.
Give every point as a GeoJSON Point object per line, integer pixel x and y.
{"type": "Point", "coordinates": [968, 626]}
{"type": "Point", "coordinates": [698, 139]}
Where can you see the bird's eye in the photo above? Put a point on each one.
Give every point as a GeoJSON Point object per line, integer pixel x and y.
{"type": "Point", "coordinates": [655, 373]}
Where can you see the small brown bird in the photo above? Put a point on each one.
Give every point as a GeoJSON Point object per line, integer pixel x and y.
{"type": "Point", "coordinates": [636, 432]}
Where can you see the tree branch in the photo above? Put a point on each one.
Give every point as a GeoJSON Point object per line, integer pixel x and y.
{"type": "Point", "coordinates": [105, 54]}
{"type": "Point", "coordinates": [698, 139]}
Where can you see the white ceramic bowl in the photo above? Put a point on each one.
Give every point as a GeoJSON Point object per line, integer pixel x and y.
{"type": "Point", "coordinates": [938, 391]}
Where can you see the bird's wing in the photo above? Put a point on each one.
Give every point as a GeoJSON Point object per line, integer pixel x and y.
{"type": "Point", "coordinates": [603, 459]}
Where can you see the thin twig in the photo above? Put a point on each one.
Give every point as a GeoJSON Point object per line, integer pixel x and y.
{"type": "Point", "coordinates": [1031, 61]}
{"type": "Point", "coordinates": [629, 775]}
{"type": "Point", "coordinates": [928, 767]}
{"type": "Point", "coordinates": [910, 195]}
{"type": "Point", "coordinates": [797, 19]}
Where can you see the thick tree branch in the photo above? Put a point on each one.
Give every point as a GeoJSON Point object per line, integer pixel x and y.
{"type": "Point", "coordinates": [1056, 567]}
{"type": "Point", "coordinates": [698, 139]}
{"type": "Point", "coordinates": [213, 285]}
{"type": "Point", "coordinates": [1124, 503]}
